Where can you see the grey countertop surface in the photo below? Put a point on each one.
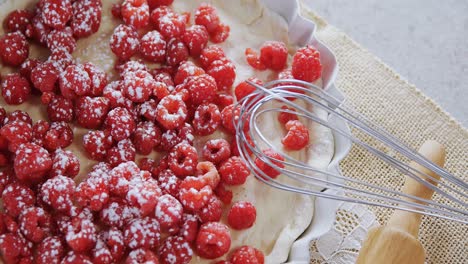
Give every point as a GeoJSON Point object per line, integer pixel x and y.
{"type": "Point", "coordinates": [425, 41]}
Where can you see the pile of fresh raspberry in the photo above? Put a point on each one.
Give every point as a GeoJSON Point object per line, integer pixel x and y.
{"type": "Point", "coordinates": [150, 210]}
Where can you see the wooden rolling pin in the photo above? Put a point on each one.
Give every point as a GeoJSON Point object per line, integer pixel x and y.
{"type": "Point", "coordinates": [397, 242]}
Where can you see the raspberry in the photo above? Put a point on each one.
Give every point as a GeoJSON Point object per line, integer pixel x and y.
{"type": "Point", "coordinates": [131, 66]}
{"type": "Point", "coordinates": [65, 163]}
{"type": "Point", "coordinates": [224, 195]}
{"type": "Point", "coordinates": [117, 213]}
{"type": "Point", "coordinates": [147, 110]}
{"type": "Point", "coordinates": [37, 30]}
{"type": "Point", "coordinates": [16, 133]}
{"type": "Point", "coordinates": [113, 92]}
{"type": "Point", "coordinates": [74, 81]}
{"type": "Point", "coordinates": [32, 162]}
{"type": "Point", "coordinates": [15, 89]}
{"type": "Point", "coordinates": [147, 135]}
{"type": "Point", "coordinates": [158, 13]}
{"type": "Point", "coordinates": [27, 66]}
{"type": "Point", "coordinates": [91, 111]}
{"type": "Point", "coordinates": [35, 224]}
{"type": "Point", "coordinates": [96, 144]}
{"type": "Point", "coordinates": [120, 177]}
{"type": "Point", "coordinates": [274, 55]}
{"type": "Point", "coordinates": [186, 70]}
{"type": "Point", "coordinates": [16, 198]}
{"type": "Point", "coordinates": [220, 34]}
{"type": "Point", "coordinates": [196, 39]}
{"type": "Point", "coordinates": [122, 152]}
{"type": "Point", "coordinates": [157, 3]}
{"type": "Point", "coordinates": [284, 117]}
{"type": "Point", "coordinates": [86, 17]}
{"type": "Point", "coordinates": [60, 109]}
{"type": "Point", "coordinates": [206, 16]}
{"type": "Point", "coordinates": [175, 250]}
{"type": "Point", "coordinates": [169, 183]}
{"type": "Point", "coordinates": [168, 212]}
{"type": "Point", "coordinates": [10, 247]}
{"type": "Point", "coordinates": [216, 150]}
{"type": "Point", "coordinates": [202, 89]}
{"type": "Point", "coordinates": [171, 112]}
{"type": "Point", "coordinates": [101, 254]}
{"type": "Point", "coordinates": [121, 123]}
{"type": "Point", "coordinates": [189, 228]}
{"type": "Point", "coordinates": [210, 54]}
{"type": "Point", "coordinates": [116, 10]}
{"type": "Point", "coordinates": [166, 78]}
{"type": "Point", "coordinates": [243, 89]}
{"type": "Point", "coordinates": [56, 13]}
{"type": "Point", "coordinates": [50, 250]}
{"type": "Point", "coordinates": [234, 171]}
{"type": "Point", "coordinates": [98, 78]}
{"type": "Point", "coordinates": [171, 25]}
{"type": "Point", "coordinates": [253, 59]}
{"type": "Point", "coordinates": [17, 115]}
{"type": "Point", "coordinates": [223, 99]}
{"type": "Point", "coordinates": [76, 258]}
{"type": "Point", "coordinates": [59, 135]}
{"type": "Point", "coordinates": [14, 49]}
{"type": "Point", "coordinates": [18, 20]}
{"type": "Point", "coordinates": [183, 159]}
{"type": "Point", "coordinates": [153, 47]}
{"type": "Point", "coordinates": [193, 198]}
{"type": "Point", "coordinates": [44, 76]}
{"type": "Point", "coordinates": [138, 86]}
{"type": "Point", "coordinates": [213, 240]}
{"type": "Point", "coordinates": [170, 138]}
{"type": "Point", "coordinates": [271, 156]}
{"type": "Point", "coordinates": [61, 39]}
{"type": "Point", "coordinates": [247, 254]}
{"type": "Point", "coordinates": [61, 59]}
{"type": "Point", "coordinates": [92, 193]}
{"type": "Point", "coordinates": [141, 256]}
{"type": "Point", "coordinates": [58, 193]}
{"type": "Point", "coordinates": [81, 236]}
{"type": "Point", "coordinates": [143, 194]}
{"type": "Point", "coordinates": [306, 64]}
{"type": "Point", "coordinates": [124, 42]}
{"type": "Point", "coordinates": [297, 136]}
{"type": "Point", "coordinates": [242, 215]}
{"type": "Point", "coordinates": [176, 52]}
{"type": "Point", "coordinates": [212, 211]}
{"type": "Point", "coordinates": [142, 233]}
{"type": "Point", "coordinates": [230, 118]}
{"type": "Point", "coordinates": [114, 242]}
{"type": "Point", "coordinates": [224, 72]}
{"type": "Point", "coordinates": [135, 13]}
{"type": "Point", "coordinates": [207, 172]}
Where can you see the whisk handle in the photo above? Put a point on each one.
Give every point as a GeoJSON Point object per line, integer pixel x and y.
{"type": "Point", "coordinates": [407, 221]}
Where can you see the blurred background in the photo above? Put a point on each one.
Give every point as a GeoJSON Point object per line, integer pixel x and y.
{"type": "Point", "coordinates": [426, 41]}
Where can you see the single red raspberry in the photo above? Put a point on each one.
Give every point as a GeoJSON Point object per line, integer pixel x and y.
{"type": "Point", "coordinates": [274, 158]}
{"type": "Point", "coordinates": [185, 70]}
{"type": "Point", "coordinates": [143, 193]}
{"type": "Point", "coordinates": [142, 233]}
{"type": "Point", "coordinates": [176, 52]}
{"type": "Point", "coordinates": [92, 193]}
{"type": "Point", "coordinates": [243, 89]}
{"type": "Point", "coordinates": [16, 198]}
{"type": "Point", "coordinates": [114, 241]}
{"type": "Point", "coordinates": [16, 133]}
{"type": "Point", "coordinates": [189, 228]}
{"type": "Point", "coordinates": [157, 3]}
{"type": "Point", "coordinates": [171, 112]}
{"type": "Point", "coordinates": [27, 66]}
{"type": "Point", "coordinates": [153, 47]}
{"type": "Point", "coordinates": [56, 13]}
{"type": "Point", "coordinates": [113, 92]}
{"type": "Point", "coordinates": [122, 152]}
{"type": "Point", "coordinates": [86, 17]}
{"type": "Point", "coordinates": [59, 135]}
{"type": "Point", "coordinates": [171, 25]}
{"type": "Point", "coordinates": [18, 20]}
{"type": "Point", "coordinates": [274, 55]}
{"type": "Point", "coordinates": [230, 117]}
{"type": "Point", "coordinates": [242, 215]}
{"type": "Point", "coordinates": [169, 183]}
{"type": "Point", "coordinates": [234, 171]}
{"type": "Point", "coordinates": [147, 136]}
{"type": "Point", "coordinates": [192, 195]}
{"type": "Point", "coordinates": [81, 236]}
{"type": "Point", "coordinates": [98, 78]}
{"type": "Point", "coordinates": [206, 16]}
{"type": "Point", "coordinates": [206, 120]}
{"type": "Point", "coordinates": [120, 123]}
{"type": "Point", "coordinates": [58, 193]}
{"type": "Point", "coordinates": [17, 115]}
{"type": "Point", "coordinates": [32, 162]}
{"type": "Point", "coordinates": [44, 76]}
{"type": "Point", "coordinates": [306, 64]}
{"type": "Point", "coordinates": [135, 13]}
{"type": "Point", "coordinates": [210, 54]}
{"type": "Point", "coordinates": [120, 177]}
{"type": "Point", "coordinates": [91, 111]}
{"type": "Point", "coordinates": [96, 144]}
{"type": "Point", "coordinates": [65, 163]}
{"type": "Point", "coordinates": [202, 89]}
{"type": "Point", "coordinates": [124, 42]}
{"type": "Point", "coordinates": [141, 256]}
{"type": "Point", "coordinates": [171, 138]}
{"type": "Point", "coordinates": [216, 150]}
{"type": "Point", "coordinates": [76, 258]}
{"type": "Point", "coordinates": [169, 212]}
{"type": "Point", "coordinates": [35, 224]}
{"type": "Point", "coordinates": [50, 250]}
{"type": "Point", "coordinates": [14, 48]}
{"type": "Point", "coordinates": [60, 109]}
{"type": "Point", "coordinates": [224, 72]}
{"type": "Point", "coordinates": [213, 240]}
{"type": "Point", "coordinates": [253, 59]}
{"type": "Point", "coordinates": [61, 39]}
{"type": "Point", "coordinates": [175, 250]}
{"type": "Point", "coordinates": [196, 39]}
{"type": "Point", "coordinates": [10, 247]}
{"type": "Point", "coordinates": [297, 136]}
{"type": "Point", "coordinates": [220, 34]}
{"type": "Point", "coordinates": [117, 213]}
{"type": "Point", "coordinates": [284, 117]}
{"type": "Point", "coordinates": [183, 160]}
{"type": "Point", "coordinates": [138, 86]}
{"type": "Point", "coordinates": [247, 254]}
{"type": "Point", "coordinates": [212, 211]}
{"type": "Point", "coordinates": [15, 89]}
{"type": "Point", "coordinates": [74, 81]}
{"type": "Point", "coordinates": [208, 174]}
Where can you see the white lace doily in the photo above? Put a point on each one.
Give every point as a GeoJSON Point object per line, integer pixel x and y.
{"type": "Point", "coordinates": [341, 244]}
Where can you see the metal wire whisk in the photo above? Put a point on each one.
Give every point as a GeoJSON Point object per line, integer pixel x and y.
{"type": "Point", "coordinates": [300, 177]}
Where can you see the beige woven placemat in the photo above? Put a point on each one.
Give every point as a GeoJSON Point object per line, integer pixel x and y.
{"type": "Point", "coordinates": [378, 92]}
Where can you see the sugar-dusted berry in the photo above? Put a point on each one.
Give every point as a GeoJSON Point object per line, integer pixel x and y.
{"type": "Point", "coordinates": [58, 192]}
{"type": "Point", "coordinates": [56, 13]}
{"type": "Point", "coordinates": [117, 213]}
{"type": "Point", "coordinates": [74, 81]}
{"type": "Point", "coordinates": [212, 211]}
{"type": "Point", "coordinates": [60, 109]}
{"type": "Point", "coordinates": [50, 250]}
{"type": "Point", "coordinates": [98, 78]}
{"type": "Point", "coordinates": [14, 48]}
{"type": "Point", "coordinates": [253, 59]}
{"type": "Point", "coordinates": [171, 112]}
{"type": "Point", "coordinates": [186, 70]}
{"type": "Point", "coordinates": [142, 233]}
{"type": "Point", "coordinates": [59, 135]}
{"type": "Point", "coordinates": [274, 55]}
{"type": "Point", "coordinates": [17, 197]}
{"type": "Point", "coordinates": [176, 52]}
{"type": "Point", "coordinates": [122, 152]}
{"type": "Point", "coordinates": [45, 76]}
{"type": "Point", "coordinates": [169, 212]}
{"type": "Point", "coordinates": [224, 72]}
{"type": "Point", "coordinates": [153, 47]}
{"type": "Point", "coordinates": [91, 111]}
{"type": "Point", "coordinates": [15, 89]}
{"type": "Point", "coordinates": [234, 171]}
{"type": "Point", "coordinates": [220, 34]}
{"type": "Point", "coordinates": [138, 85]}
{"type": "Point", "coordinates": [143, 193]}
{"type": "Point", "coordinates": [135, 13]}
{"type": "Point", "coordinates": [120, 123]}
{"type": "Point", "coordinates": [81, 236]}
{"type": "Point", "coordinates": [175, 250]}
{"type": "Point", "coordinates": [86, 17]}
{"type": "Point", "coordinates": [202, 89]}
{"type": "Point", "coordinates": [61, 39]}
{"type": "Point", "coordinates": [216, 150]}
{"type": "Point", "coordinates": [35, 224]}
{"type": "Point", "coordinates": [97, 143]}
{"type": "Point", "coordinates": [141, 255]}
{"type": "Point", "coordinates": [32, 162]}
{"type": "Point", "coordinates": [65, 163]}
{"type": "Point", "coordinates": [124, 42]}
{"type": "Point", "coordinates": [247, 254]}
{"type": "Point", "coordinates": [206, 16]}
{"type": "Point", "coordinates": [213, 240]}
{"type": "Point", "coordinates": [18, 20]}
{"type": "Point", "coordinates": [196, 39]}
{"type": "Point", "coordinates": [183, 159]}
{"type": "Point", "coordinates": [171, 25]}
